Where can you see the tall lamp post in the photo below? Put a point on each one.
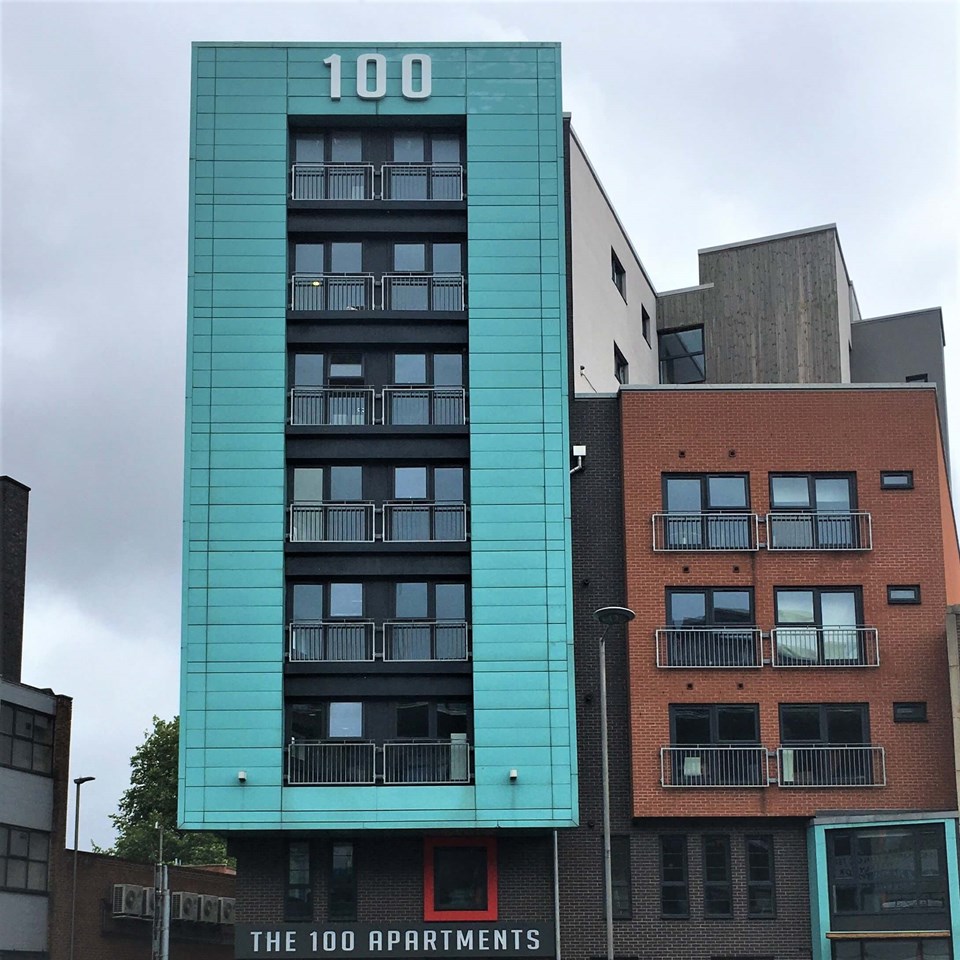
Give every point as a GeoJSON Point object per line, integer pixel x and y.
{"type": "Point", "coordinates": [79, 781]}
{"type": "Point", "coordinates": [609, 617]}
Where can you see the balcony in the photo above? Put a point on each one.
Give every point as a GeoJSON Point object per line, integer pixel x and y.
{"type": "Point", "coordinates": [422, 291]}
{"type": "Point", "coordinates": [860, 765]}
{"type": "Point", "coordinates": [326, 763]}
{"type": "Point", "coordinates": [819, 531]}
{"type": "Point", "coordinates": [360, 181]}
{"type": "Point", "coordinates": [705, 531]}
{"type": "Point", "coordinates": [362, 407]}
{"type": "Point", "coordinates": [403, 521]}
{"type": "Point", "coordinates": [332, 291]}
{"type": "Point", "coordinates": [710, 647]}
{"type": "Point", "coordinates": [395, 641]}
{"type": "Point", "coordinates": [810, 646]}
{"type": "Point", "coordinates": [712, 766]}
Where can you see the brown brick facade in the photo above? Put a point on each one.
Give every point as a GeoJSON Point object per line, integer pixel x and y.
{"type": "Point", "coordinates": [757, 431]}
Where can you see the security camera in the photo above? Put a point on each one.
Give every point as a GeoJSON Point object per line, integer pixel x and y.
{"type": "Point", "coordinates": [513, 776]}
{"type": "Point", "coordinates": [242, 776]}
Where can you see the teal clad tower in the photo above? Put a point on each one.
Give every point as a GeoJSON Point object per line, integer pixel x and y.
{"type": "Point", "coordinates": [240, 692]}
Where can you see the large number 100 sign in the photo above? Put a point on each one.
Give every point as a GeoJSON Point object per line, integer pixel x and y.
{"type": "Point", "coordinates": [375, 87]}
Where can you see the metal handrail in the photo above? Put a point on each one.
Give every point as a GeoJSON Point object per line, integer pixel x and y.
{"type": "Point", "coordinates": [421, 181]}
{"type": "Point", "coordinates": [432, 406]}
{"type": "Point", "coordinates": [331, 181]}
{"type": "Point", "coordinates": [424, 762]}
{"type": "Point", "coordinates": [350, 522]}
{"type": "Point", "coordinates": [730, 647]}
{"type": "Point", "coordinates": [330, 641]}
{"type": "Point", "coordinates": [705, 531]}
{"type": "Point", "coordinates": [317, 762]}
{"type": "Point", "coordinates": [332, 406]}
{"type": "Point", "coordinates": [422, 291]}
{"type": "Point", "coordinates": [425, 640]}
{"type": "Point", "coordinates": [813, 646]}
{"type": "Point", "coordinates": [828, 530]}
{"type": "Point", "coordinates": [422, 521]}
{"type": "Point", "coordinates": [713, 766]}
{"type": "Point", "coordinates": [332, 291]}
{"type": "Point", "coordinates": [828, 765]}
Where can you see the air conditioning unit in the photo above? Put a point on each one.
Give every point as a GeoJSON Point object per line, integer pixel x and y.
{"type": "Point", "coordinates": [127, 900]}
{"type": "Point", "coordinates": [209, 909]}
{"type": "Point", "coordinates": [226, 909]}
{"type": "Point", "coordinates": [149, 900]}
{"type": "Point", "coordinates": [184, 906]}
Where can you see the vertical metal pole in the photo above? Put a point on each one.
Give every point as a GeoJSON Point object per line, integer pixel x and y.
{"type": "Point", "coordinates": [605, 758]}
{"type": "Point", "coordinates": [556, 892]}
{"type": "Point", "coordinates": [76, 844]}
{"type": "Point", "coordinates": [165, 935]}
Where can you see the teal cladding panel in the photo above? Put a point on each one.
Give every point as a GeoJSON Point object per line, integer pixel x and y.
{"type": "Point", "coordinates": [234, 518]}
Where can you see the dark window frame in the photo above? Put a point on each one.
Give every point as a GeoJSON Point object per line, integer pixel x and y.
{"type": "Point", "coordinates": [712, 710]}
{"type": "Point", "coordinates": [704, 478]}
{"type": "Point", "coordinates": [725, 885]}
{"type": "Point", "coordinates": [6, 856]}
{"type": "Point", "coordinates": [910, 711]}
{"type": "Point", "coordinates": [817, 622]}
{"type": "Point", "coordinates": [618, 275]}
{"type": "Point", "coordinates": [811, 478]}
{"type": "Point", "coordinates": [709, 615]}
{"type": "Point", "coordinates": [887, 475]}
{"type": "Point", "coordinates": [903, 601]}
{"type": "Point", "coordinates": [621, 369]}
{"type": "Point", "coordinates": [645, 324]}
{"type": "Point", "coordinates": [432, 844]}
{"type": "Point", "coordinates": [917, 378]}
{"type": "Point", "coordinates": [621, 876]}
{"type": "Point", "coordinates": [342, 890]}
{"type": "Point", "coordinates": [664, 338]}
{"type": "Point", "coordinates": [824, 708]}
{"type": "Point", "coordinates": [42, 747]}
{"type": "Point", "coordinates": [428, 258]}
{"type": "Point", "coordinates": [762, 885]}
{"type": "Point", "coordinates": [298, 908]}
{"type": "Point", "coordinates": [680, 839]}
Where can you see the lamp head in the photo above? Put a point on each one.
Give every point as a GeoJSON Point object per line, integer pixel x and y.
{"type": "Point", "coordinates": [80, 780]}
{"type": "Point", "coordinates": [613, 615]}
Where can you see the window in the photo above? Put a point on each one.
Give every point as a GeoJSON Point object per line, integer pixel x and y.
{"type": "Point", "coordinates": [430, 277]}
{"type": "Point", "coordinates": [917, 378]}
{"type": "Point", "coordinates": [674, 894]}
{"type": "Point", "coordinates": [817, 512]}
{"type": "Point", "coordinates": [334, 720]}
{"type": "Point", "coordinates": [618, 274]}
{"type": "Point", "coordinates": [888, 878]}
{"type": "Point", "coordinates": [645, 323]}
{"type": "Point", "coordinates": [697, 730]}
{"type": "Point", "coordinates": [430, 622]}
{"type": "Point", "coordinates": [915, 712]}
{"type": "Point", "coordinates": [902, 948]}
{"type": "Point", "coordinates": [715, 724]}
{"type": "Point", "coordinates": [26, 739]}
{"type": "Point", "coordinates": [621, 369]}
{"type": "Point", "coordinates": [824, 723]}
{"type": "Point", "coordinates": [437, 406]}
{"type": "Point", "coordinates": [430, 504]}
{"type": "Point", "coordinates": [681, 356]}
{"type": "Point", "coordinates": [707, 512]}
{"type": "Point", "coordinates": [342, 889]}
{"type": "Point", "coordinates": [903, 594]}
{"type": "Point", "coordinates": [325, 622]}
{"type": "Point", "coordinates": [761, 898]}
{"type": "Point", "coordinates": [819, 626]}
{"type": "Point", "coordinates": [896, 480]}
{"type": "Point", "coordinates": [621, 885]}
{"type": "Point", "coordinates": [434, 171]}
{"type": "Point", "coordinates": [460, 879]}
{"type": "Point", "coordinates": [717, 883]}
{"type": "Point", "coordinates": [299, 898]}
{"type": "Point", "coordinates": [704, 625]}
{"type": "Point", "coordinates": [24, 855]}
{"type": "Point", "coordinates": [827, 745]}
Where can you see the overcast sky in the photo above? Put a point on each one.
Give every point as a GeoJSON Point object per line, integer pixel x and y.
{"type": "Point", "coordinates": [708, 124]}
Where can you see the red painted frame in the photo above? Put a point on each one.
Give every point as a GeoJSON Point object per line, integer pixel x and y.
{"type": "Point", "coordinates": [430, 911]}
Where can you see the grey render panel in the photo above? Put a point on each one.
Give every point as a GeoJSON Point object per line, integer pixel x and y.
{"type": "Point", "coordinates": [24, 925]}
{"type": "Point", "coordinates": [26, 799]}
{"type": "Point", "coordinates": [890, 349]}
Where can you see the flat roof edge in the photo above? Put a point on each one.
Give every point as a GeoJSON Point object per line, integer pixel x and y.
{"type": "Point", "coordinates": [823, 228]}
{"type": "Point", "coordinates": [882, 816]}
{"type": "Point", "coordinates": [908, 313]}
{"type": "Point", "coordinates": [368, 44]}
{"type": "Point", "coordinates": [695, 387]}
{"type": "Point", "coordinates": [695, 287]}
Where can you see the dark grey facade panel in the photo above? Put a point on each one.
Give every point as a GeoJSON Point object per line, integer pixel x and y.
{"type": "Point", "coordinates": [14, 499]}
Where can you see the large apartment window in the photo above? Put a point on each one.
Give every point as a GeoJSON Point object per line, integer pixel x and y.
{"type": "Point", "coordinates": [427, 390]}
{"type": "Point", "coordinates": [460, 879]}
{"type": "Point", "coordinates": [717, 878]}
{"type": "Point", "coordinates": [430, 622]}
{"type": "Point", "coordinates": [327, 166]}
{"type": "Point", "coordinates": [706, 627]}
{"type": "Point", "coordinates": [819, 626]}
{"type": "Point", "coordinates": [328, 276]}
{"type": "Point", "coordinates": [826, 744]}
{"type": "Point", "coordinates": [26, 739]}
{"type": "Point", "coordinates": [326, 622]}
{"type": "Point", "coordinates": [816, 512]}
{"type": "Point", "coordinates": [716, 744]}
{"type": "Point", "coordinates": [681, 356]}
{"type": "Point", "coordinates": [342, 889]}
{"type": "Point", "coordinates": [621, 878]}
{"type": "Point", "coordinates": [761, 892]}
{"type": "Point", "coordinates": [24, 856]}
{"type": "Point", "coordinates": [707, 512]}
{"type": "Point", "coordinates": [674, 890]}
{"type": "Point", "coordinates": [429, 504]}
{"type": "Point", "coordinates": [427, 276]}
{"type": "Point", "coordinates": [298, 904]}
{"type": "Point", "coordinates": [426, 166]}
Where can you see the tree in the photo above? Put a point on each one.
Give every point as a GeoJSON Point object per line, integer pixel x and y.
{"type": "Point", "coordinates": [151, 799]}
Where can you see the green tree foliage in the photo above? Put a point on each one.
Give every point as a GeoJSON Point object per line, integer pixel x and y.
{"type": "Point", "coordinates": [151, 799]}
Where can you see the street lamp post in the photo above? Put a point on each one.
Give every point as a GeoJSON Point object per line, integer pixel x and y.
{"type": "Point", "coordinates": [79, 781]}
{"type": "Point", "coordinates": [609, 617]}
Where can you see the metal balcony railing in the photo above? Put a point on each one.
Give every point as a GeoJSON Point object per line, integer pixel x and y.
{"type": "Point", "coordinates": [332, 522]}
{"type": "Point", "coordinates": [331, 181]}
{"type": "Point", "coordinates": [407, 640]}
{"type": "Point", "coordinates": [712, 766]}
{"type": "Point", "coordinates": [847, 765]}
{"type": "Point", "coordinates": [332, 406]}
{"type": "Point", "coordinates": [433, 406]}
{"type": "Point", "coordinates": [331, 291]}
{"type": "Point", "coordinates": [713, 647]}
{"type": "Point", "coordinates": [705, 531]}
{"type": "Point", "coordinates": [819, 531]}
{"type": "Point", "coordinates": [330, 641]}
{"type": "Point", "coordinates": [319, 762]}
{"type": "Point", "coordinates": [419, 761]}
{"type": "Point", "coordinates": [422, 181]}
{"type": "Point", "coordinates": [854, 646]}
{"type": "Point", "coordinates": [422, 291]}
{"type": "Point", "coordinates": [421, 521]}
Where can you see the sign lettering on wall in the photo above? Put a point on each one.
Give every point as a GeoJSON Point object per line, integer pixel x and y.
{"type": "Point", "coordinates": [416, 76]}
{"type": "Point", "coordinates": [408, 940]}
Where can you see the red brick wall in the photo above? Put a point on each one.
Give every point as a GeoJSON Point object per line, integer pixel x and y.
{"type": "Point", "coordinates": [759, 431]}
